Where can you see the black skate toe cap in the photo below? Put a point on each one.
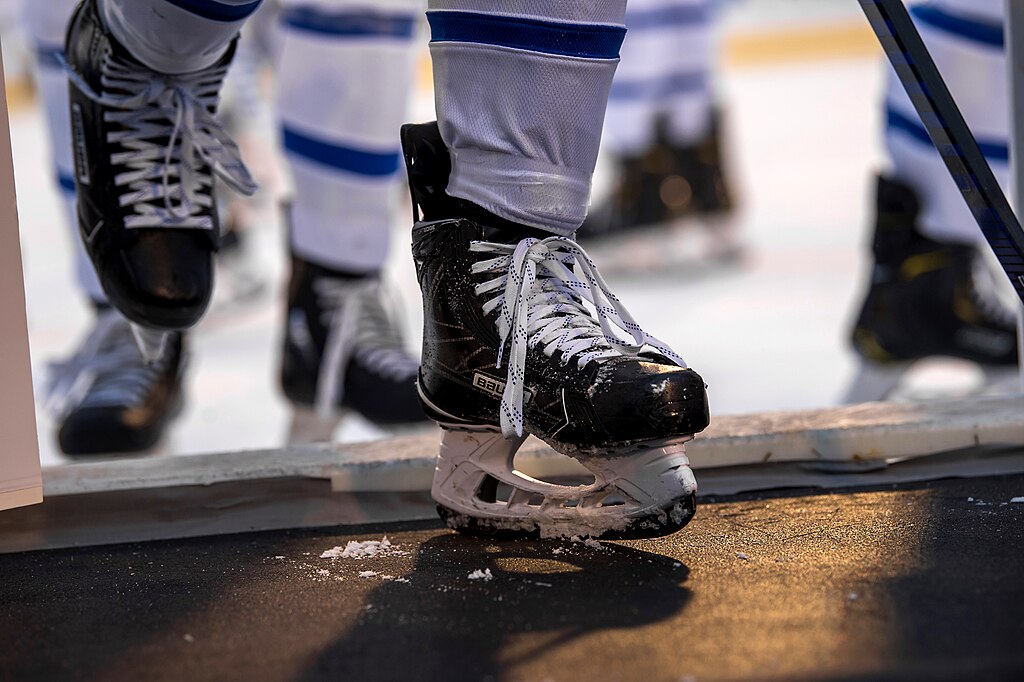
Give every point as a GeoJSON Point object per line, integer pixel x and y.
{"type": "Point", "coordinates": [647, 399]}
{"type": "Point", "coordinates": [163, 280]}
{"type": "Point", "coordinates": [107, 431]}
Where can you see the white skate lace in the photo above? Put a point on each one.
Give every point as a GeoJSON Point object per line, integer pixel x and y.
{"type": "Point", "coordinates": [358, 328]}
{"type": "Point", "coordinates": [543, 304]}
{"type": "Point", "coordinates": [163, 123]}
{"type": "Point", "coordinates": [105, 371]}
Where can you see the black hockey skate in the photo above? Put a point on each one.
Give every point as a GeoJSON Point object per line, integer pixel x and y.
{"type": "Point", "coordinates": [107, 399]}
{"type": "Point", "coordinates": [343, 351]}
{"type": "Point", "coordinates": [665, 184]}
{"type": "Point", "coordinates": [925, 299]}
{"type": "Point", "coordinates": [510, 349]}
{"type": "Point", "coordinates": [145, 146]}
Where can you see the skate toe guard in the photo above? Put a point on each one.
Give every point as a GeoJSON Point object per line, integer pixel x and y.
{"type": "Point", "coordinates": [105, 431]}
{"type": "Point", "coordinates": [637, 401]}
{"type": "Point", "coordinates": [164, 280]}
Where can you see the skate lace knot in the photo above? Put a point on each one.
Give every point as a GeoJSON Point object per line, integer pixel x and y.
{"type": "Point", "coordinates": [107, 370]}
{"type": "Point", "coordinates": [550, 296]}
{"type": "Point", "coordinates": [360, 329]}
{"type": "Point", "coordinates": [165, 130]}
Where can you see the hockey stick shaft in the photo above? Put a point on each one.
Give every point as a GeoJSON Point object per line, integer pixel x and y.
{"type": "Point", "coordinates": [949, 133]}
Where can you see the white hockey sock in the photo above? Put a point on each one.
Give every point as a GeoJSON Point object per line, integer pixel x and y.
{"type": "Point", "coordinates": [521, 88]}
{"type": "Point", "coordinates": [176, 36]}
{"type": "Point", "coordinates": [966, 40]}
{"type": "Point", "coordinates": [665, 72]}
{"type": "Point", "coordinates": [47, 22]}
{"type": "Point", "coordinates": [344, 80]}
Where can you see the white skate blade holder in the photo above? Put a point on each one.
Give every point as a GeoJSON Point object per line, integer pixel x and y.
{"type": "Point", "coordinates": [152, 343]}
{"type": "Point", "coordinates": [628, 485]}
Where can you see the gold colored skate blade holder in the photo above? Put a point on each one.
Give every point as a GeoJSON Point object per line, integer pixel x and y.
{"type": "Point", "coordinates": [152, 343]}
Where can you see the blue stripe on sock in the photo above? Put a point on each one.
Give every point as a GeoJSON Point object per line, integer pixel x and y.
{"type": "Point", "coordinates": [661, 17]}
{"type": "Point", "coordinates": [66, 182]}
{"type": "Point", "coordinates": [364, 23]}
{"type": "Point", "coordinates": [217, 11]}
{"type": "Point", "coordinates": [658, 88]}
{"type": "Point", "coordinates": [993, 151]}
{"type": "Point", "coordinates": [983, 32]}
{"type": "Point", "coordinates": [50, 56]}
{"type": "Point", "coordinates": [338, 157]}
{"type": "Point", "coordinates": [591, 41]}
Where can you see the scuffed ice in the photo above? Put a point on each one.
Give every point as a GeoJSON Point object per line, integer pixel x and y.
{"type": "Point", "coordinates": [362, 550]}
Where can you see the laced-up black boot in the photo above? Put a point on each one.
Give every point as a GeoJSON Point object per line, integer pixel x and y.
{"type": "Point", "coordinates": [146, 147]}
{"type": "Point", "coordinates": [510, 348]}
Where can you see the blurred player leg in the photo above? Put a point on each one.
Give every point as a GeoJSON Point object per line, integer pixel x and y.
{"type": "Point", "coordinates": [511, 346]}
{"type": "Point", "coordinates": [663, 129]}
{"type": "Point", "coordinates": [246, 113]}
{"type": "Point", "coordinates": [103, 396]}
{"type": "Point", "coordinates": [932, 291]}
{"type": "Point", "coordinates": [345, 78]}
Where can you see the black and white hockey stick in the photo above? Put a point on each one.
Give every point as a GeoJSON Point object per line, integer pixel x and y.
{"type": "Point", "coordinates": [949, 133]}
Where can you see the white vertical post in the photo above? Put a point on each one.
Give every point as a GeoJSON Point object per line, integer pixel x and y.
{"type": "Point", "coordinates": [1014, 38]}
{"type": "Point", "coordinates": [20, 479]}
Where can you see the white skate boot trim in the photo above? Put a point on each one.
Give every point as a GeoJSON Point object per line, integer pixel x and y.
{"type": "Point", "coordinates": [164, 124]}
{"type": "Point", "coordinates": [648, 483]}
{"type": "Point", "coordinates": [358, 326]}
{"type": "Point", "coordinates": [543, 303]}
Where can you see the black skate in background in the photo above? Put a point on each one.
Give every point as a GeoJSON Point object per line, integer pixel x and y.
{"type": "Point", "coordinates": [107, 399]}
{"type": "Point", "coordinates": [379, 377]}
{"type": "Point", "coordinates": [671, 210]}
{"type": "Point", "coordinates": [924, 299]}
{"type": "Point", "coordinates": [950, 134]}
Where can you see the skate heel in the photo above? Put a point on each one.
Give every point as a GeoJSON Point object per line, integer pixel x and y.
{"type": "Point", "coordinates": [152, 343]}
{"type": "Point", "coordinates": [875, 382]}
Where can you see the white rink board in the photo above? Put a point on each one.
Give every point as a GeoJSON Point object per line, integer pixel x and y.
{"type": "Point", "coordinates": [860, 433]}
{"type": "Point", "coordinates": [20, 482]}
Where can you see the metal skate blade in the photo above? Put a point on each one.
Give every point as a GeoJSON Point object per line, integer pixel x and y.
{"type": "Point", "coordinates": [151, 342]}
